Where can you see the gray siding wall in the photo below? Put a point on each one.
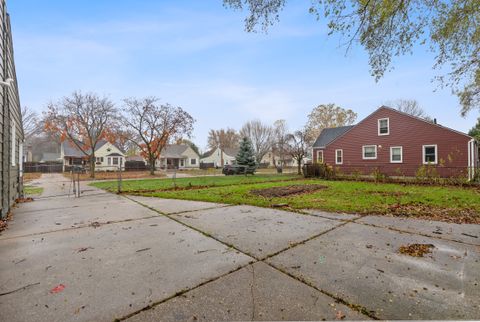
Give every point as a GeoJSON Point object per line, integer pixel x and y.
{"type": "Point", "coordinates": [10, 119]}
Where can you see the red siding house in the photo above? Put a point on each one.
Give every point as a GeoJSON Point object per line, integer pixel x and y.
{"type": "Point", "coordinates": [397, 144]}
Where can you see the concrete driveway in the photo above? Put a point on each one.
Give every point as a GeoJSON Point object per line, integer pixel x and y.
{"type": "Point", "coordinates": [103, 257]}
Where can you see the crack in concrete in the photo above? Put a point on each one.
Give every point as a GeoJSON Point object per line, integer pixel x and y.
{"type": "Point", "coordinates": [20, 289]}
{"type": "Point", "coordinates": [252, 285]}
{"type": "Point", "coordinates": [416, 233]}
{"type": "Point", "coordinates": [83, 226]}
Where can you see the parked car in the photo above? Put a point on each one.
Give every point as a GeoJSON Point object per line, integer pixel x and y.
{"type": "Point", "coordinates": [238, 169]}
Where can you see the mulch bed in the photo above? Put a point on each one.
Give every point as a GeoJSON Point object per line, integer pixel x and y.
{"type": "Point", "coordinates": [416, 250]}
{"type": "Point", "coordinates": [428, 212]}
{"type": "Point", "coordinates": [277, 192]}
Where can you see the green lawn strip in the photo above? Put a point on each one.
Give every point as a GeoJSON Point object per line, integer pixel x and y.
{"type": "Point", "coordinates": [211, 181]}
{"type": "Point", "coordinates": [341, 196]}
{"type": "Point", "coordinates": [31, 190]}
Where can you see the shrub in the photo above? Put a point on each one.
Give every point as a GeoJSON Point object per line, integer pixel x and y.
{"type": "Point", "coordinates": [378, 175]}
{"type": "Point", "coordinates": [427, 173]}
{"type": "Point", "coordinates": [319, 170]}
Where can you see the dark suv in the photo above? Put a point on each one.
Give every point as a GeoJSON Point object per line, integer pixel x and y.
{"type": "Point", "coordinates": [238, 169]}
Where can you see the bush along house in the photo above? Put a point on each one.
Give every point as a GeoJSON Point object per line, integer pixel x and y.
{"type": "Point", "coordinates": [11, 130]}
{"type": "Point", "coordinates": [394, 143]}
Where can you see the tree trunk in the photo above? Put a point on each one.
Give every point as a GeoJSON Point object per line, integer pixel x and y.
{"type": "Point", "coordinates": [299, 166]}
{"type": "Point", "coordinates": [152, 166]}
{"type": "Point", "coordinates": [92, 166]}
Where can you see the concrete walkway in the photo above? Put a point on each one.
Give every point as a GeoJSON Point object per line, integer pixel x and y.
{"type": "Point", "coordinates": [104, 257]}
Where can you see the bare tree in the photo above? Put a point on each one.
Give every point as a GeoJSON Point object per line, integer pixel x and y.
{"type": "Point", "coordinates": [261, 136]}
{"type": "Point", "coordinates": [280, 132]}
{"type": "Point", "coordinates": [84, 120]}
{"type": "Point", "coordinates": [298, 147]}
{"type": "Point", "coordinates": [327, 116]}
{"type": "Point", "coordinates": [222, 139]}
{"type": "Point", "coordinates": [409, 106]}
{"type": "Point", "coordinates": [31, 123]}
{"type": "Point", "coordinates": [151, 126]}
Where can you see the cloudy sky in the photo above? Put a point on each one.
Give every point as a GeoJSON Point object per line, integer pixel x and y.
{"type": "Point", "coordinates": [196, 54]}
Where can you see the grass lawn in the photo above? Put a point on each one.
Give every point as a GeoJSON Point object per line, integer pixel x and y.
{"type": "Point", "coordinates": [194, 182]}
{"type": "Point", "coordinates": [31, 190]}
{"type": "Point", "coordinates": [452, 204]}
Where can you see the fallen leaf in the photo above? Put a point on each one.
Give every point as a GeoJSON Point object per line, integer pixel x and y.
{"type": "Point", "coordinates": [340, 315]}
{"type": "Point", "coordinates": [57, 289]}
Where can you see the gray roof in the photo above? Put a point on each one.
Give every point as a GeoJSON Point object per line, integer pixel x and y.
{"type": "Point", "coordinates": [231, 151]}
{"type": "Point", "coordinates": [228, 151]}
{"type": "Point", "coordinates": [328, 135]}
{"type": "Point", "coordinates": [208, 153]}
{"type": "Point", "coordinates": [174, 151]}
{"type": "Point", "coordinates": [71, 150]}
{"type": "Point", "coordinates": [50, 156]}
{"type": "Point", "coordinates": [115, 154]}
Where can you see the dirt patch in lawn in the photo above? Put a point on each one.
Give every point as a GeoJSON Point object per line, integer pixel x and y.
{"type": "Point", "coordinates": [416, 250]}
{"type": "Point", "coordinates": [276, 192]}
{"type": "Point", "coordinates": [429, 212]}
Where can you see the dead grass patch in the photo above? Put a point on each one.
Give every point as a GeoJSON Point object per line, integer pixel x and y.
{"type": "Point", "coordinates": [416, 250]}
{"type": "Point", "coordinates": [277, 192]}
{"type": "Point", "coordinates": [31, 176]}
{"type": "Point", "coordinates": [429, 212]}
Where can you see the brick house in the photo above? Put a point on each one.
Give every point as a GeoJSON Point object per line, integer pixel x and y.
{"type": "Point", "coordinates": [397, 144]}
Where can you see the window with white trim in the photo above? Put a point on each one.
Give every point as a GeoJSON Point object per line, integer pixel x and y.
{"type": "Point", "coordinates": [339, 156]}
{"type": "Point", "coordinates": [13, 135]}
{"type": "Point", "coordinates": [109, 161]}
{"type": "Point", "coordinates": [396, 154]}
{"type": "Point", "coordinates": [320, 156]}
{"type": "Point", "coordinates": [430, 154]}
{"type": "Point", "coordinates": [369, 152]}
{"type": "Point", "coordinates": [115, 161]}
{"type": "Point", "coordinates": [193, 161]}
{"type": "Point", "coordinates": [384, 126]}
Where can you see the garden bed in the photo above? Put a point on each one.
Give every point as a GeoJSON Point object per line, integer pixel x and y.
{"type": "Point", "coordinates": [276, 192]}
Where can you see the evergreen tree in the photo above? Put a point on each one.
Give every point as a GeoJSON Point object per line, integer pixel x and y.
{"type": "Point", "coordinates": [475, 131]}
{"type": "Point", "coordinates": [246, 155]}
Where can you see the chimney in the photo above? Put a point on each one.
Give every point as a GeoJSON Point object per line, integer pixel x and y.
{"type": "Point", "coordinates": [434, 121]}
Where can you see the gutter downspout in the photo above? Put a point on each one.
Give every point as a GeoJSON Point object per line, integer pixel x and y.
{"type": "Point", "coordinates": [471, 159]}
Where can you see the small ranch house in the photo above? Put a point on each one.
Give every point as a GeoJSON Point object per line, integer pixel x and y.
{"type": "Point", "coordinates": [397, 144]}
{"type": "Point", "coordinates": [108, 156]}
{"type": "Point", "coordinates": [178, 156]}
{"type": "Point", "coordinates": [220, 157]}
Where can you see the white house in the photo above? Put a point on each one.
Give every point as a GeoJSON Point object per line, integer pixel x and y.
{"type": "Point", "coordinates": [178, 156]}
{"type": "Point", "coordinates": [220, 157]}
{"type": "Point", "coordinates": [108, 156]}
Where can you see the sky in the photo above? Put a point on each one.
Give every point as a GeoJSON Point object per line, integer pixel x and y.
{"type": "Point", "coordinates": [197, 55]}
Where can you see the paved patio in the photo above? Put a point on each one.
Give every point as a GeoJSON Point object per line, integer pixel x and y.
{"type": "Point", "coordinates": [103, 257]}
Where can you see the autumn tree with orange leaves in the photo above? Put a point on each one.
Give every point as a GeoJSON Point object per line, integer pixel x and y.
{"type": "Point", "coordinates": [84, 120]}
{"type": "Point", "coordinates": [151, 126]}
